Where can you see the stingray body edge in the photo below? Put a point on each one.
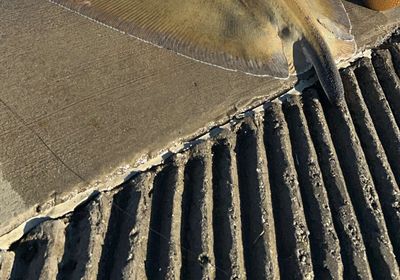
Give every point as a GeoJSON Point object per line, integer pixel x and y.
{"type": "Point", "coordinates": [325, 40]}
{"type": "Point", "coordinates": [257, 37]}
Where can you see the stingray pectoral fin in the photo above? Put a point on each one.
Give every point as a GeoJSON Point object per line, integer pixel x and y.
{"type": "Point", "coordinates": [342, 50]}
{"type": "Point", "coordinates": [338, 30]}
{"type": "Point", "coordinates": [332, 10]}
{"type": "Point", "coordinates": [338, 37]}
{"type": "Point", "coordinates": [234, 35]}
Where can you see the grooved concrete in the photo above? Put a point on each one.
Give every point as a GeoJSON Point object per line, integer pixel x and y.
{"type": "Point", "coordinates": [298, 190]}
{"type": "Point", "coordinates": [80, 103]}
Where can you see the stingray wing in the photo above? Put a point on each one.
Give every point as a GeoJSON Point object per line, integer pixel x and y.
{"type": "Point", "coordinates": [226, 33]}
{"type": "Point", "coordinates": [334, 24]}
{"type": "Point", "coordinates": [334, 10]}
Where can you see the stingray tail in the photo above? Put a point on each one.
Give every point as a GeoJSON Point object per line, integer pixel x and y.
{"type": "Point", "coordinates": [319, 54]}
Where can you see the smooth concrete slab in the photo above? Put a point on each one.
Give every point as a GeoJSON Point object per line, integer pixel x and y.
{"type": "Point", "coordinates": [80, 104]}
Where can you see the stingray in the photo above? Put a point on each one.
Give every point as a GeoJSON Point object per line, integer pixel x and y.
{"type": "Point", "coordinates": [276, 38]}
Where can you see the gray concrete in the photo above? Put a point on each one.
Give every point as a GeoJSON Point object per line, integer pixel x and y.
{"type": "Point", "coordinates": [297, 189]}
{"type": "Point", "coordinates": [78, 100]}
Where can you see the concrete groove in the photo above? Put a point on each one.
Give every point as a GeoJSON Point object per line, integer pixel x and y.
{"type": "Point", "coordinates": [352, 246]}
{"type": "Point", "coordinates": [139, 232]}
{"type": "Point", "coordinates": [325, 248]}
{"type": "Point", "coordinates": [98, 216]}
{"type": "Point", "coordinates": [192, 229]}
{"type": "Point", "coordinates": [228, 256]}
{"type": "Point", "coordinates": [385, 182]}
{"type": "Point", "coordinates": [390, 82]}
{"type": "Point", "coordinates": [269, 234]}
{"type": "Point", "coordinates": [237, 254]}
{"type": "Point", "coordinates": [298, 190]}
{"type": "Point", "coordinates": [122, 220]}
{"type": "Point", "coordinates": [362, 192]}
{"type": "Point", "coordinates": [291, 229]}
{"type": "Point", "coordinates": [207, 257]}
{"type": "Point", "coordinates": [380, 112]}
{"type": "Point", "coordinates": [255, 251]}
{"type": "Point", "coordinates": [395, 52]}
{"type": "Point", "coordinates": [158, 259]}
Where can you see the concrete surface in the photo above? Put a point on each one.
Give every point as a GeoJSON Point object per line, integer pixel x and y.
{"type": "Point", "coordinates": [296, 189]}
{"type": "Point", "coordinates": [80, 104]}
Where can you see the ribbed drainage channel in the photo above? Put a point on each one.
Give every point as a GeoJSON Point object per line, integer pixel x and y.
{"type": "Point", "coordinates": [298, 191]}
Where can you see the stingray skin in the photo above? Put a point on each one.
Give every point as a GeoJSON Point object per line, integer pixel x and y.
{"type": "Point", "coordinates": [275, 38]}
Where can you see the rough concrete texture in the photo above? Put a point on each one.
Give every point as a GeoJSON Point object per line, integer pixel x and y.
{"type": "Point", "coordinates": [80, 104]}
{"type": "Point", "coordinates": [298, 190]}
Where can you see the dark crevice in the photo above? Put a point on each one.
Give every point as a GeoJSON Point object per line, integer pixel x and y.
{"type": "Point", "coordinates": [222, 201]}
{"type": "Point", "coordinates": [29, 259]}
{"type": "Point", "coordinates": [250, 202]}
{"type": "Point", "coordinates": [116, 242]}
{"type": "Point", "coordinates": [77, 236]}
{"type": "Point", "coordinates": [191, 224]}
{"type": "Point", "coordinates": [157, 258]}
